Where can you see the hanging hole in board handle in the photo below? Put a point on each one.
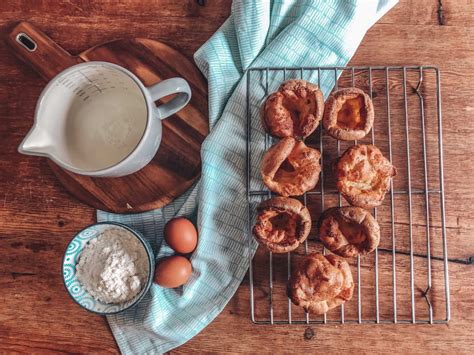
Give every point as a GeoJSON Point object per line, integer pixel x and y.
{"type": "Point", "coordinates": [26, 41]}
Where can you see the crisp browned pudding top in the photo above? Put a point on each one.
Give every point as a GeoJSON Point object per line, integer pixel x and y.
{"type": "Point", "coordinates": [363, 175]}
{"type": "Point", "coordinates": [290, 168]}
{"type": "Point", "coordinates": [295, 110]}
{"type": "Point", "coordinates": [348, 114]}
{"type": "Point", "coordinates": [320, 283]}
{"type": "Point", "coordinates": [349, 231]}
{"type": "Point", "coordinates": [282, 224]}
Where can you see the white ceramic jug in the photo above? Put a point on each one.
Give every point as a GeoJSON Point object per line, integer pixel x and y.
{"type": "Point", "coordinates": [98, 119]}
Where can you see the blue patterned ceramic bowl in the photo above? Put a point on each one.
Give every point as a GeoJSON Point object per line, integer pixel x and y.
{"type": "Point", "coordinates": [71, 258]}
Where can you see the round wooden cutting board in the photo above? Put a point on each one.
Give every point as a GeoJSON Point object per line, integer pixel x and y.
{"type": "Point", "coordinates": [177, 163]}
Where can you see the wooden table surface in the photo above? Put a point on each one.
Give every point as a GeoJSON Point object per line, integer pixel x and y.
{"type": "Point", "coordinates": [38, 217]}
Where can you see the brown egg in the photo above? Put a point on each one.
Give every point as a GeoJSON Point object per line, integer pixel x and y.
{"type": "Point", "coordinates": [181, 235]}
{"type": "Point", "coordinates": [173, 271]}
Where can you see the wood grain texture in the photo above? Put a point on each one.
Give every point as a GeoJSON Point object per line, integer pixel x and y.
{"type": "Point", "coordinates": [38, 217]}
{"type": "Point", "coordinates": [176, 165]}
{"type": "Point", "coordinates": [47, 58]}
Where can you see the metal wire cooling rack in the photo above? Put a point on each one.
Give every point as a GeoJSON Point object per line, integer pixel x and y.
{"type": "Point", "coordinates": [404, 279]}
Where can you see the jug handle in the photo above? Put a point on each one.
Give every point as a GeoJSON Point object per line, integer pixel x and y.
{"type": "Point", "coordinates": [39, 51]}
{"type": "Point", "coordinates": [167, 87]}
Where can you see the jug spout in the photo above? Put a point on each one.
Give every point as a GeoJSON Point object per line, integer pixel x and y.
{"type": "Point", "coordinates": [36, 142]}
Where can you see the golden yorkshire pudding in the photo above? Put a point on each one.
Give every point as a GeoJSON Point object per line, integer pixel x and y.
{"type": "Point", "coordinates": [282, 224]}
{"type": "Point", "coordinates": [348, 114]}
{"type": "Point", "coordinates": [320, 283]}
{"type": "Point", "coordinates": [294, 110]}
{"type": "Point", "coordinates": [349, 231]}
{"type": "Point", "coordinates": [363, 175]}
{"type": "Point", "coordinates": [290, 168]}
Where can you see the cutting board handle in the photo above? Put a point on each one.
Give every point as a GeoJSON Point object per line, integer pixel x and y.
{"type": "Point", "coordinates": [39, 51]}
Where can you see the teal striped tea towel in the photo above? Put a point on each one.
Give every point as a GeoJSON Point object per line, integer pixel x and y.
{"type": "Point", "coordinates": [278, 33]}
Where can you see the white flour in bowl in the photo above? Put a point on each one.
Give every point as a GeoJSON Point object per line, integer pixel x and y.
{"type": "Point", "coordinates": [113, 267]}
